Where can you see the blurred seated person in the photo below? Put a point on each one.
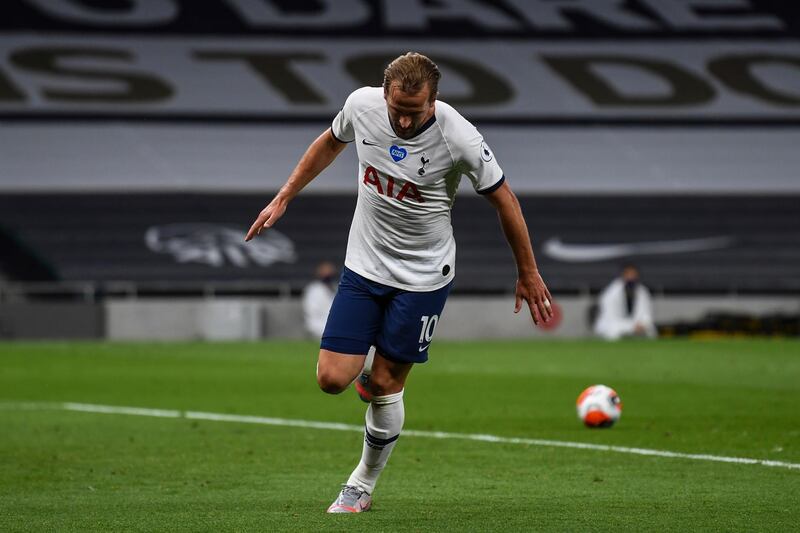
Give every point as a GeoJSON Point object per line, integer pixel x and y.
{"type": "Point", "coordinates": [317, 299]}
{"type": "Point", "coordinates": [625, 308]}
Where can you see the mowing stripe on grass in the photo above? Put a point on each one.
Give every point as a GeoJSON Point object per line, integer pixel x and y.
{"type": "Point", "coordinates": [269, 421]}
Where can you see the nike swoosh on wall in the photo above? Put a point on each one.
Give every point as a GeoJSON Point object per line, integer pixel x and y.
{"type": "Point", "coordinates": [584, 253]}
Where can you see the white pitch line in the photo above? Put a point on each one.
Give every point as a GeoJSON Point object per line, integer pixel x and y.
{"type": "Point", "coordinates": [117, 410]}
{"type": "Point", "coordinates": [310, 424]}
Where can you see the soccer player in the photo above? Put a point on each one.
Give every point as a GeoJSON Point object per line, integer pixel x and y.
{"type": "Point", "coordinates": [400, 262]}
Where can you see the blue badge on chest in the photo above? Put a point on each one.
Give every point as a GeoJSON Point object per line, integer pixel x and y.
{"type": "Point", "coordinates": [397, 153]}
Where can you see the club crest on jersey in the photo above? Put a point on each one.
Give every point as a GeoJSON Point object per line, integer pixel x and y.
{"type": "Point", "coordinates": [394, 188]}
{"type": "Point", "coordinates": [397, 153]}
{"type": "Point", "coordinates": [424, 160]}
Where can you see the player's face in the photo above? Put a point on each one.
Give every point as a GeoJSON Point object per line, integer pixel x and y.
{"type": "Point", "coordinates": [408, 111]}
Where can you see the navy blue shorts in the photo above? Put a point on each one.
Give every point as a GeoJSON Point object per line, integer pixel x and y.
{"type": "Point", "coordinates": [399, 323]}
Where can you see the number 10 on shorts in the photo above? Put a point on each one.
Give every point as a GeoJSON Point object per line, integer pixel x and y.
{"type": "Point", "coordinates": [428, 326]}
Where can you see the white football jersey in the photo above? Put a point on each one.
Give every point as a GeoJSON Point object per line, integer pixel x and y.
{"type": "Point", "coordinates": [401, 234]}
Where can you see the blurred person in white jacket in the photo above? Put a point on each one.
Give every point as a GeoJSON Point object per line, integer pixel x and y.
{"type": "Point", "coordinates": [317, 299]}
{"type": "Point", "coordinates": [625, 308]}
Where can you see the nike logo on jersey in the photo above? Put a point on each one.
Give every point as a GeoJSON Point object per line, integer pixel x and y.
{"type": "Point", "coordinates": [422, 349]}
{"type": "Point", "coordinates": [583, 253]}
{"type": "Point", "coordinates": [368, 143]}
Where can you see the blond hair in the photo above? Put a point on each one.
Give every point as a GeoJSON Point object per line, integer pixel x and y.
{"type": "Point", "coordinates": [412, 71]}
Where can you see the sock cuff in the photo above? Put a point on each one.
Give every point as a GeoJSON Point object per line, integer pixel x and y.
{"type": "Point", "coordinates": [388, 399]}
{"type": "Point", "coordinates": [377, 442]}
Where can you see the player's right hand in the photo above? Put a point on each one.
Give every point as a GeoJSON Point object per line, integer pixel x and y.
{"type": "Point", "coordinates": [268, 216]}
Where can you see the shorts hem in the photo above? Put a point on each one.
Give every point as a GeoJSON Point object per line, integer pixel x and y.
{"type": "Point", "coordinates": [344, 345]}
{"type": "Point", "coordinates": [417, 358]}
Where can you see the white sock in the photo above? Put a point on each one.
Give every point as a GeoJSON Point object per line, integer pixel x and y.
{"type": "Point", "coordinates": [384, 419]}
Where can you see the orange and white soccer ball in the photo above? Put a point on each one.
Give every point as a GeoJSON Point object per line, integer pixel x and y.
{"type": "Point", "coordinates": [599, 406]}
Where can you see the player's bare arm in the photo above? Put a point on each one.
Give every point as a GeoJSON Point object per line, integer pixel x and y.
{"type": "Point", "coordinates": [530, 286]}
{"type": "Point", "coordinates": [319, 155]}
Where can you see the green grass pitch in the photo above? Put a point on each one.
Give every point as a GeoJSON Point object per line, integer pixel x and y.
{"type": "Point", "coordinates": [72, 471]}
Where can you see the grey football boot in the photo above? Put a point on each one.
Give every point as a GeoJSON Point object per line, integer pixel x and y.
{"type": "Point", "coordinates": [351, 500]}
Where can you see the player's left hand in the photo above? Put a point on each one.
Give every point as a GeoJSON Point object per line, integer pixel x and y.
{"type": "Point", "coordinates": [532, 289]}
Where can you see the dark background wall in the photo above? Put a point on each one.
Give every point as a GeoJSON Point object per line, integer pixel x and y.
{"type": "Point", "coordinates": [139, 138]}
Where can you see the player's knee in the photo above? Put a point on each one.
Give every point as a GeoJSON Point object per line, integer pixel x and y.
{"type": "Point", "coordinates": [382, 384]}
{"type": "Point", "coordinates": [331, 382]}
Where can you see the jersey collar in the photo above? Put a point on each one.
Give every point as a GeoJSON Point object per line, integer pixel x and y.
{"type": "Point", "coordinates": [422, 128]}
{"type": "Point", "coordinates": [425, 126]}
